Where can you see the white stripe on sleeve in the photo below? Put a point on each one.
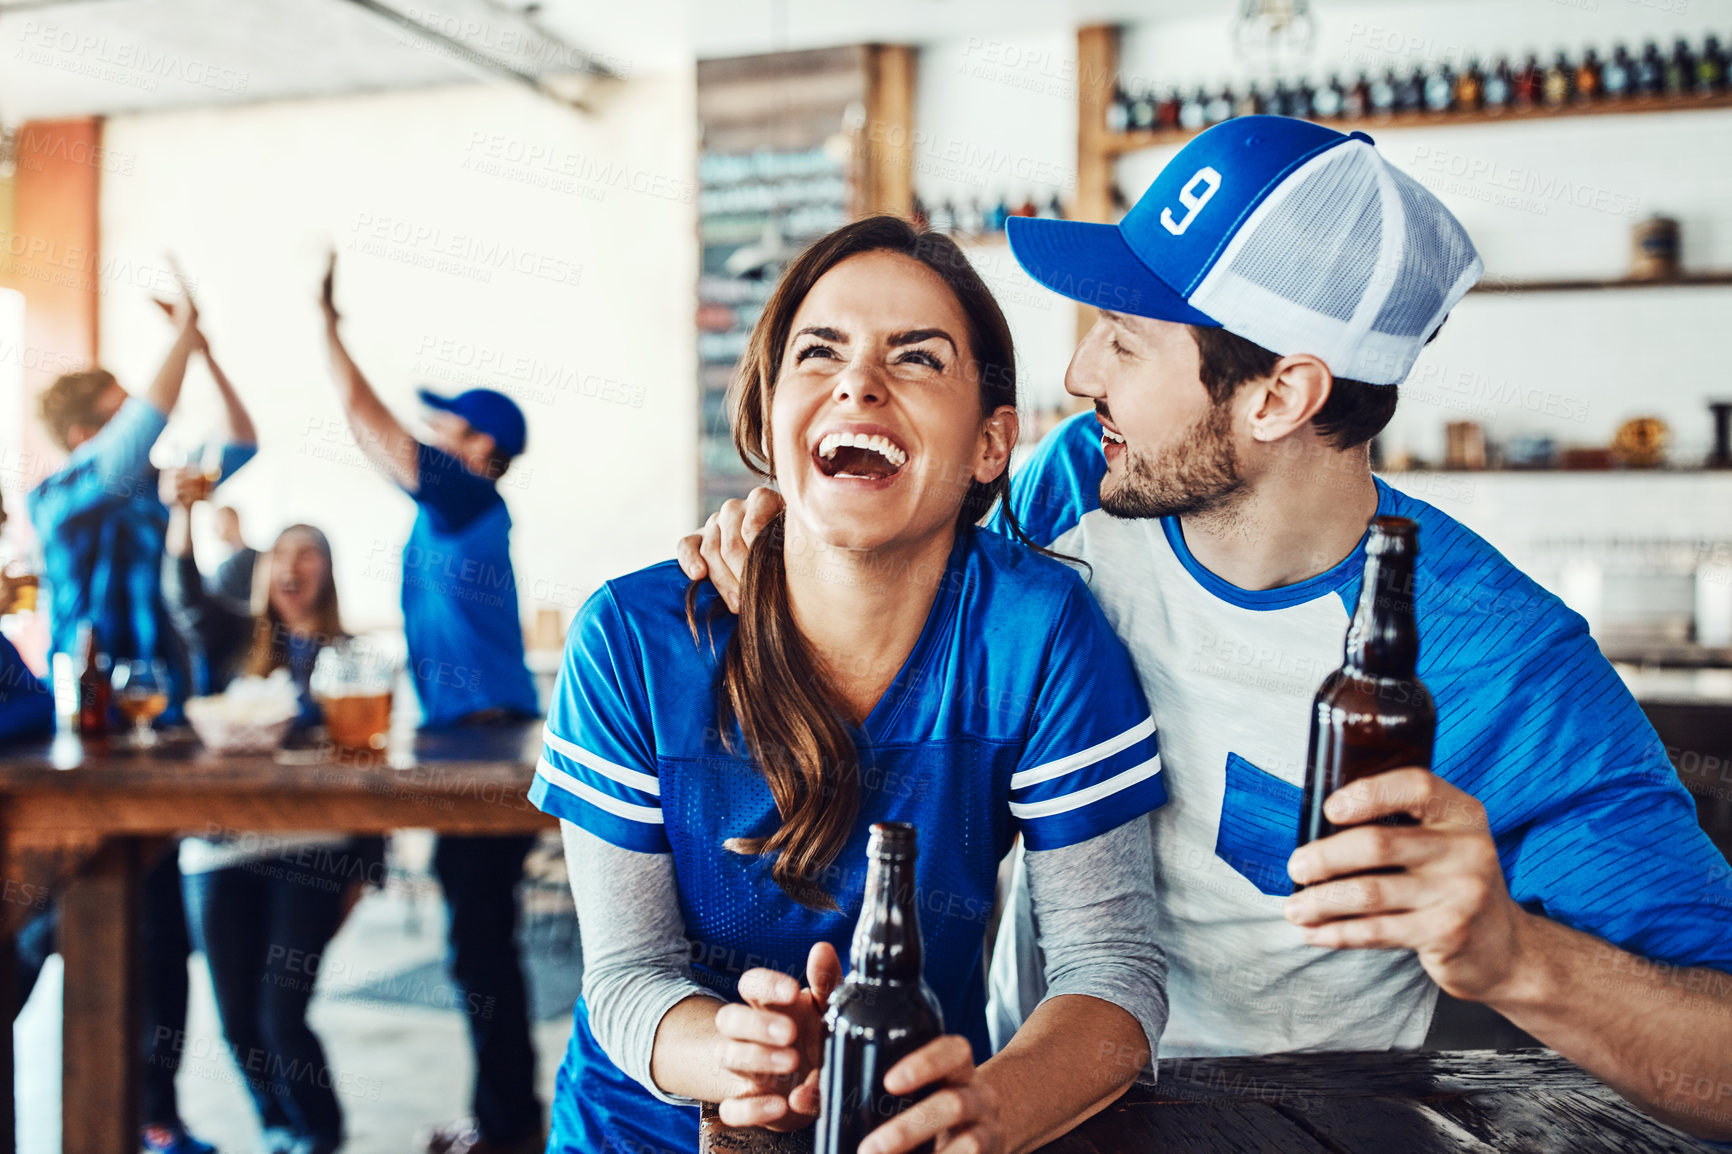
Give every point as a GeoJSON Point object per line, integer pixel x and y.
{"type": "Point", "coordinates": [1082, 797]}
{"type": "Point", "coordinates": [1034, 775]}
{"type": "Point", "coordinates": [619, 773]}
{"type": "Point", "coordinates": [649, 814]}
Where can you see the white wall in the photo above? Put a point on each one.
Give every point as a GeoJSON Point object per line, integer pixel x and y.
{"type": "Point", "coordinates": [486, 238]}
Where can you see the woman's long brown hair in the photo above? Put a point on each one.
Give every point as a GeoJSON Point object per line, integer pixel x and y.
{"type": "Point", "coordinates": [772, 683]}
{"type": "Point", "coordinates": [270, 647]}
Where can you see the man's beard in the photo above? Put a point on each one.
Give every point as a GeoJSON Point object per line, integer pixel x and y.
{"type": "Point", "coordinates": [1200, 475]}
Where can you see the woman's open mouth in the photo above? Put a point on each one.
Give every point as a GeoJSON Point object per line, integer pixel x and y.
{"type": "Point", "coordinates": [859, 456]}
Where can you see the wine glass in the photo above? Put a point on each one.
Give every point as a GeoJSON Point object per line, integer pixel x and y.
{"type": "Point", "coordinates": [141, 692]}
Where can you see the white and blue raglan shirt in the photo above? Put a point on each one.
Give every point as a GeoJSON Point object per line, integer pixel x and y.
{"type": "Point", "coordinates": [1017, 712]}
{"type": "Point", "coordinates": [1592, 826]}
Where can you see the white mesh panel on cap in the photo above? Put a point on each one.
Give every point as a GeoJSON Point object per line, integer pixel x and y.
{"type": "Point", "coordinates": [1314, 204]}
{"type": "Point", "coordinates": [1438, 253]}
{"type": "Point", "coordinates": [1348, 260]}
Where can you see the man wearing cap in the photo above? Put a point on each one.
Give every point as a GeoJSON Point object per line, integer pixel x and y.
{"type": "Point", "coordinates": [1259, 306]}
{"type": "Point", "coordinates": [465, 641]}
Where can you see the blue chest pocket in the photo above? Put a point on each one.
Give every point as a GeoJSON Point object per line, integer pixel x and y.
{"type": "Point", "coordinates": [1259, 826]}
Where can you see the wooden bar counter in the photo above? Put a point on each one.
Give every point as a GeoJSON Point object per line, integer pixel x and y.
{"type": "Point", "coordinates": [1423, 1102]}
{"type": "Point", "coordinates": [82, 821]}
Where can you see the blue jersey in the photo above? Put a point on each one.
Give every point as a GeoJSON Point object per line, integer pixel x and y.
{"type": "Point", "coordinates": [101, 526]}
{"type": "Point", "coordinates": [1592, 826]}
{"type": "Point", "coordinates": [1016, 712]}
{"type": "Point", "coordinates": [460, 597]}
{"type": "Point", "coordinates": [26, 704]}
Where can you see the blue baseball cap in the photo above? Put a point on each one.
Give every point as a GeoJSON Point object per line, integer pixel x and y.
{"type": "Point", "coordinates": [1290, 234]}
{"type": "Point", "coordinates": [488, 412]}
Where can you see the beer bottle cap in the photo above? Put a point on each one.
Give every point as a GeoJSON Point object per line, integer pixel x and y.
{"type": "Point", "coordinates": [892, 839]}
{"type": "Point", "coordinates": [1392, 534]}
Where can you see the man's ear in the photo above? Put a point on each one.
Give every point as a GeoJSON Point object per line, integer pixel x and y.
{"type": "Point", "coordinates": [998, 437]}
{"type": "Point", "coordinates": [1288, 398]}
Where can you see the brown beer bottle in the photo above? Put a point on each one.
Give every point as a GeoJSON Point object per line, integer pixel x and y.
{"type": "Point", "coordinates": [95, 693]}
{"type": "Point", "coordinates": [1373, 714]}
{"type": "Point", "coordinates": [884, 1011]}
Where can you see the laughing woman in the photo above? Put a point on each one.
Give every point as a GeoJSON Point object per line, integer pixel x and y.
{"type": "Point", "coordinates": [716, 778]}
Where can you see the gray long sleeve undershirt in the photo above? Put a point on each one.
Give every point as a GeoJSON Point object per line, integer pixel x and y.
{"type": "Point", "coordinates": [1094, 907]}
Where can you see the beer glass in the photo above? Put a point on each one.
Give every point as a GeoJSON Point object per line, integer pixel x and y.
{"type": "Point", "coordinates": [352, 681]}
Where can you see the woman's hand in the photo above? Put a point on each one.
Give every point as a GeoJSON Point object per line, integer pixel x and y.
{"type": "Point", "coordinates": [961, 1114]}
{"type": "Point", "coordinates": [775, 1043]}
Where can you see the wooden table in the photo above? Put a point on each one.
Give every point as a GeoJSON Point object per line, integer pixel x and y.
{"type": "Point", "coordinates": [82, 822]}
{"type": "Point", "coordinates": [1479, 1101]}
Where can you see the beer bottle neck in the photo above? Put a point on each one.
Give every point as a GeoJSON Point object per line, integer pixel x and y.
{"type": "Point", "coordinates": [887, 939]}
{"type": "Point", "coordinates": [1383, 640]}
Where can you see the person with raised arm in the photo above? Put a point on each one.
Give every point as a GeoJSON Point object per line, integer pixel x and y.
{"type": "Point", "coordinates": [101, 525]}
{"type": "Point", "coordinates": [257, 902]}
{"type": "Point", "coordinates": [466, 660]}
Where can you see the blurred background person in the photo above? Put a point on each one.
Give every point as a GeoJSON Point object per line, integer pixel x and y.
{"type": "Point", "coordinates": [26, 704]}
{"type": "Point", "coordinates": [466, 657]}
{"type": "Point", "coordinates": [255, 905]}
{"type": "Point", "coordinates": [102, 525]}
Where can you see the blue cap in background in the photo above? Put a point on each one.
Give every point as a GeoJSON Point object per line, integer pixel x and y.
{"type": "Point", "coordinates": [488, 412]}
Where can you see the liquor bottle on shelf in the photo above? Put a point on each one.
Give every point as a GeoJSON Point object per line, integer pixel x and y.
{"type": "Point", "coordinates": [1617, 78]}
{"type": "Point", "coordinates": [1280, 100]}
{"type": "Point", "coordinates": [1710, 67]}
{"type": "Point", "coordinates": [1469, 88]}
{"type": "Point", "coordinates": [1118, 109]}
{"type": "Point", "coordinates": [1650, 71]}
{"type": "Point", "coordinates": [1167, 109]}
{"type": "Point", "coordinates": [1054, 208]}
{"type": "Point", "coordinates": [1589, 79]}
{"type": "Point", "coordinates": [1143, 111]}
{"type": "Point", "coordinates": [1525, 92]}
{"type": "Point", "coordinates": [1410, 92]}
{"type": "Point", "coordinates": [1302, 100]}
{"type": "Point", "coordinates": [943, 216]}
{"type": "Point", "coordinates": [1499, 90]}
{"type": "Point", "coordinates": [1357, 102]}
{"type": "Point", "coordinates": [1219, 108]}
{"type": "Point", "coordinates": [1440, 90]}
{"type": "Point", "coordinates": [1028, 207]}
{"type": "Point", "coordinates": [971, 219]}
{"type": "Point", "coordinates": [1382, 95]}
{"type": "Point", "coordinates": [1680, 69]}
{"type": "Point", "coordinates": [1330, 101]}
{"type": "Point", "coordinates": [1250, 103]}
{"type": "Point", "coordinates": [995, 215]}
{"type": "Point", "coordinates": [1556, 84]}
{"type": "Point", "coordinates": [1193, 111]}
